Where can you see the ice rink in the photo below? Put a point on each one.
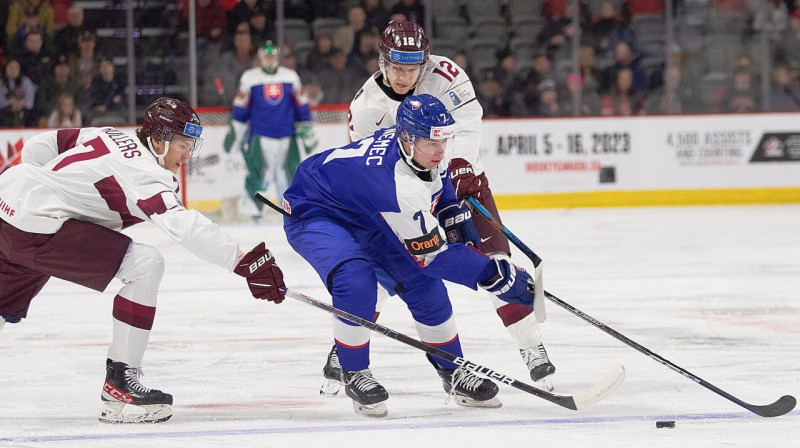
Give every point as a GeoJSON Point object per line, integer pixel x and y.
{"type": "Point", "coordinates": [716, 290]}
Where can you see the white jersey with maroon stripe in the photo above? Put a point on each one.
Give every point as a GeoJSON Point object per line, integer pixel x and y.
{"type": "Point", "coordinates": [104, 176]}
{"type": "Point", "coordinates": [375, 106]}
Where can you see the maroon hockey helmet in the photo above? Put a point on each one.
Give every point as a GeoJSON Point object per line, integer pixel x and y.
{"type": "Point", "coordinates": [166, 117]}
{"type": "Point", "coordinates": [404, 43]}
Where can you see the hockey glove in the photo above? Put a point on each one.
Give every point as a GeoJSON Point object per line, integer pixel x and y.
{"type": "Point", "coordinates": [237, 133]}
{"type": "Point", "coordinates": [511, 284]}
{"type": "Point", "coordinates": [304, 131]}
{"type": "Point", "coordinates": [464, 180]}
{"type": "Point", "coordinates": [264, 277]}
{"type": "Point", "coordinates": [456, 220]}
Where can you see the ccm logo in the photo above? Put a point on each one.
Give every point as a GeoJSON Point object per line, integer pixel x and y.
{"type": "Point", "coordinates": [463, 170]}
{"type": "Point", "coordinates": [262, 260]}
{"type": "Point", "coordinates": [457, 219]}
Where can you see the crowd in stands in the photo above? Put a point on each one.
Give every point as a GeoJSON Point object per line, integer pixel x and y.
{"type": "Point", "coordinates": [519, 54]}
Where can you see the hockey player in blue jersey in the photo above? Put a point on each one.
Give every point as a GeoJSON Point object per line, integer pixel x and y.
{"type": "Point", "coordinates": [383, 210]}
{"type": "Point", "coordinates": [269, 98]}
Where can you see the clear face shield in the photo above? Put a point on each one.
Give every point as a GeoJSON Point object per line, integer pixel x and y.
{"type": "Point", "coordinates": [404, 69]}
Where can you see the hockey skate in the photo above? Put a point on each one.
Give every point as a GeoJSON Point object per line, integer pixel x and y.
{"type": "Point", "coordinates": [539, 365]}
{"type": "Point", "coordinates": [122, 388]}
{"type": "Point", "coordinates": [466, 388]}
{"type": "Point", "coordinates": [367, 394]}
{"type": "Point", "coordinates": [332, 373]}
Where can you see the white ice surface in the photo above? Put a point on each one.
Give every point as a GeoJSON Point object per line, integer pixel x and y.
{"type": "Point", "coordinates": [716, 290]}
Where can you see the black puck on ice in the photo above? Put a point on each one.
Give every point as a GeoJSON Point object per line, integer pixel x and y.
{"type": "Point", "coordinates": [665, 424]}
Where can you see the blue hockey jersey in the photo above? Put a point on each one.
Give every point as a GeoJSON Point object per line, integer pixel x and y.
{"type": "Point", "coordinates": [367, 187]}
{"type": "Point", "coordinates": [271, 103]}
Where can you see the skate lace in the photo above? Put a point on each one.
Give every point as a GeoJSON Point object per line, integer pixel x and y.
{"type": "Point", "coordinates": [534, 356]}
{"type": "Point", "coordinates": [132, 375]}
{"type": "Point", "coordinates": [334, 361]}
{"type": "Point", "coordinates": [464, 378]}
{"type": "Point", "coordinates": [363, 380]}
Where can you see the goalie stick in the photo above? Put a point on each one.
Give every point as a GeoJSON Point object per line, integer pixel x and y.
{"type": "Point", "coordinates": [575, 402]}
{"type": "Point", "coordinates": [781, 406]}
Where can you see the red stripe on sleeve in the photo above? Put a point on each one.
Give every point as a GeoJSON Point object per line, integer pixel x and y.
{"type": "Point", "coordinates": [111, 191]}
{"type": "Point", "coordinates": [134, 314]}
{"type": "Point", "coordinates": [153, 205]}
{"type": "Point", "coordinates": [66, 139]}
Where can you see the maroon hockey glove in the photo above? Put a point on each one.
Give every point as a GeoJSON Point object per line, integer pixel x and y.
{"type": "Point", "coordinates": [264, 277]}
{"type": "Point", "coordinates": [465, 182]}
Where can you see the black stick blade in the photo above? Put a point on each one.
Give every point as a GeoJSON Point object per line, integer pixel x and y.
{"type": "Point", "coordinates": [784, 405]}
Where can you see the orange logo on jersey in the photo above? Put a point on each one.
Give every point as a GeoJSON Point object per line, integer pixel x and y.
{"type": "Point", "coordinates": [426, 243]}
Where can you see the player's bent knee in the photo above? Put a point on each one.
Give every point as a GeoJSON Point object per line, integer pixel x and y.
{"type": "Point", "coordinates": [354, 284]}
{"type": "Point", "coordinates": [142, 264]}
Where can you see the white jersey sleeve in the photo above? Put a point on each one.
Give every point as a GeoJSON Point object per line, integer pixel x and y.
{"type": "Point", "coordinates": [44, 147]}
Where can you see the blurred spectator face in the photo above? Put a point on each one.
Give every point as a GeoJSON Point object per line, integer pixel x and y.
{"type": "Point", "coordinates": [242, 39]}
{"type": "Point", "coordinates": [66, 105]}
{"type": "Point", "coordinates": [744, 62]}
{"type": "Point", "coordinates": [586, 58]}
{"type": "Point", "coordinates": [258, 22]}
{"type": "Point", "coordinates": [781, 76]}
{"type": "Point", "coordinates": [509, 63]}
{"type": "Point", "coordinates": [541, 64]}
{"type": "Point", "coordinates": [622, 54]}
{"type": "Point", "coordinates": [289, 60]}
{"type": "Point", "coordinates": [461, 60]}
{"type": "Point", "coordinates": [33, 43]}
{"type": "Point", "coordinates": [402, 77]}
{"type": "Point", "coordinates": [398, 17]}
{"type": "Point", "coordinates": [338, 60]}
{"type": "Point", "coordinates": [86, 44]}
{"type": "Point", "coordinates": [324, 43]}
{"type": "Point", "coordinates": [31, 21]}
{"type": "Point", "coordinates": [75, 16]}
{"type": "Point", "coordinates": [624, 81]}
{"type": "Point", "coordinates": [607, 10]}
{"type": "Point", "coordinates": [313, 91]}
{"type": "Point", "coordinates": [107, 70]}
{"type": "Point", "coordinates": [356, 17]}
{"type": "Point", "coordinates": [490, 88]}
{"type": "Point", "coordinates": [371, 4]}
{"type": "Point", "coordinates": [742, 80]}
{"type": "Point", "coordinates": [61, 72]}
{"type": "Point", "coordinates": [368, 43]}
{"type": "Point", "coordinates": [12, 69]}
{"type": "Point", "coordinates": [672, 78]}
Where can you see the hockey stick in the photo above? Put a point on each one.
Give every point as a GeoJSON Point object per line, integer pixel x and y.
{"type": "Point", "coordinates": [264, 199]}
{"type": "Point", "coordinates": [780, 407]}
{"type": "Point", "coordinates": [538, 286]}
{"type": "Point", "coordinates": [575, 402]}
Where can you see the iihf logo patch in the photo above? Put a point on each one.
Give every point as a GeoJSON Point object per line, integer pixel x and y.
{"type": "Point", "coordinates": [192, 130]}
{"type": "Point", "coordinates": [455, 98]}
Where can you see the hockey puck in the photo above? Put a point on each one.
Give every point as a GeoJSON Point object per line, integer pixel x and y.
{"type": "Point", "coordinates": [665, 424]}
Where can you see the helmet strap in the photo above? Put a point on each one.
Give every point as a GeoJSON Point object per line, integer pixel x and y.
{"type": "Point", "coordinates": [409, 158]}
{"type": "Point", "coordinates": [159, 157]}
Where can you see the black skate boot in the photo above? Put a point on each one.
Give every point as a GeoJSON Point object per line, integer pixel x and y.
{"type": "Point", "coordinates": [367, 394]}
{"type": "Point", "coordinates": [332, 373]}
{"type": "Point", "coordinates": [122, 387]}
{"type": "Point", "coordinates": [468, 389]}
{"type": "Point", "coordinates": [539, 365]}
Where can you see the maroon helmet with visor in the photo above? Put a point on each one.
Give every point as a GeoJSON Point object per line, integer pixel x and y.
{"type": "Point", "coordinates": [166, 117]}
{"type": "Point", "coordinates": [403, 43]}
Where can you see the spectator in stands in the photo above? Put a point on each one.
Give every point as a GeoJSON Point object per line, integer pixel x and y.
{"type": "Point", "coordinates": [41, 9]}
{"type": "Point", "coordinates": [30, 25]}
{"type": "Point", "coordinates": [490, 95]}
{"type": "Point", "coordinates": [622, 101]}
{"type": "Point", "coordinates": [233, 63]}
{"type": "Point", "coordinates": [259, 29]}
{"type": "Point", "coordinates": [789, 46]}
{"type": "Point", "coordinates": [298, 9]}
{"type": "Point", "coordinates": [106, 97]}
{"type": "Point", "coordinates": [243, 11]}
{"type": "Point", "coordinates": [367, 47]}
{"type": "Point", "coordinates": [461, 60]}
{"type": "Point", "coordinates": [312, 90]}
{"type": "Point", "coordinates": [15, 113]}
{"type": "Point", "coordinates": [785, 95]}
{"type": "Point", "coordinates": [632, 7]}
{"type": "Point", "coordinates": [54, 86]}
{"type": "Point", "coordinates": [339, 83]}
{"type": "Point", "coordinates": [371, 65]}
{"type": "Point", "coordinates": [587, 65]}
{"type": "Point", "coordinates": [210, 22]}
{"type": "Point", "coordinates": [66, 39]}
{"type": "Point", "coordinates": [530, 80]}
{"type": "Point", "coordinates": [13, 80]}
{"type": "Point", "coordinates": [548, 104]}
{"type": "Point", "coordinates": [590, 100]}
{"type": "Point", "coordinates": [742, 97]}
{"type": "Point", "coordinates": [65, 114]}
{"type": "Point", "coordinates": [377, 14]}
{"type": "Point", "coordinates": [674, 97]}
{"type": "Point", "coordinates": [86, 64]}
{"type": "Point", "coordinates": [347, 37]}
{"type": "Point", "coordinates": [624, 58]}
{"type": "Point", "coordinates": [607, 29]}
{"type": "Point", "coordinates": [34, 59]}
{"type": "Point", "coordinates": [318, 57]}
{"type": "Point", "coordinates": [413, 10]}
{"type": "Point", "coordinates": [770, 16]}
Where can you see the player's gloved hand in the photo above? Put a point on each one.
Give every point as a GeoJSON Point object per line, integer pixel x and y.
{"type": "Point", "coordinates": [512, 284]}
{"type": "Point", "coordinates": [305, 132]}
{"type": "Point", "coordinates": [456, 220]}
{"type": "Point", "coordinates": [230, 139]}
{"type": "Point", "coordinates": [464, 180]}
{"type": "Point", "coordinates": [264, 277]}
{"type": "Point", "coordinates": [236, 136]}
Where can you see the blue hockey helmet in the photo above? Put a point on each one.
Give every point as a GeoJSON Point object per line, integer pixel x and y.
{"type": "Point", "coordinates": [424, 116]}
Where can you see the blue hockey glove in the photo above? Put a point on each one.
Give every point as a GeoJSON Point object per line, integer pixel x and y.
{"type": "Point", "coordinates": [511, 284]}
{"type": "Point", "coordinates": [456, 220]}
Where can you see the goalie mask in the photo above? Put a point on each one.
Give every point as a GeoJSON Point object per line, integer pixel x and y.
{"type": "Point", "coordinates": [166, 117]}
{"type": "Point", "coordinates": [403, 43]}
{"type": "Point", "coordinates": [269, 55]}
{"type": "Point", "coordinates": [423, 116]}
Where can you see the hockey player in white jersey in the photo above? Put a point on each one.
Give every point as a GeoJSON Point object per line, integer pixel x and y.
{"type": "Point", "coordinates": [61, 211]}
{"type": "Point", "coordinates": [408, 68]}
{"type": "Point", "coordinates": [269, 98]}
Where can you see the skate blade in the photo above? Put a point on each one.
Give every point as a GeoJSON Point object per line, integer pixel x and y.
{"type": "Point", "coordinates": [467, 402]}
{"type": "Point", "coordinates": [545, 384]}
{"type": "Point", "coordinates": [330, 387]}
{"type": "Point", "coordinates": [153, 413]}
{"type": "Point", "coordinates": [377, 410]}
